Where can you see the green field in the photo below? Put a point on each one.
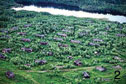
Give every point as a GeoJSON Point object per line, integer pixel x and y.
{"type": "Point", "coordinates": [94, 42]}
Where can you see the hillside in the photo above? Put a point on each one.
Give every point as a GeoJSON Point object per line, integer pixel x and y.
{"type": "Point", "coordinates": [40, 48]}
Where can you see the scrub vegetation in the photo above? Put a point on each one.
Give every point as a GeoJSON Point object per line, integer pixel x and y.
{"type": "Point", "coordinates": [40, 48]}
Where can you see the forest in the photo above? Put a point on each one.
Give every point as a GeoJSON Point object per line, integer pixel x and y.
{"type": "Point", "coordinates": [40, 48]}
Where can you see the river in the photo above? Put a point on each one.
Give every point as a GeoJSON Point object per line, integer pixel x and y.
{"type": "Point", "coordinates": [80, 14]}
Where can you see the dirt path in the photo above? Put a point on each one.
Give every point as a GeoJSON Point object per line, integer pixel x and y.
{"type": "Point", "coordinates": [30, 77]}
{"type": "Point", "coordinates": [64, 70]}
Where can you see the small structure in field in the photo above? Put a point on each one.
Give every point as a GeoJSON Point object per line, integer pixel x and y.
{"type": "Point", "coordinates": [44, 43]}
{"type": "Point", "coordinates": [40, 35]}
{"type": "Point", "coordinates": [50, 53]}
{"type": "Point", "coordinates": [101, 68]}
{"type": "Point", "coordinates": [6, 50]}
{"type": "Point", "coordinates": [77, 63]}
{"type": "Point", "coordinates": [75, 41]}
{"type": "Point", "coordinates": [27, 49]}
{"type": "Point", "coordinates": [21, 33]}
{"type": "Point", "coordinates": [60, 34]}
{"type": "Point", "coordinates": [120, 35]}
{"type": "Point", "coordinates": [40, 62]}
{"type": "Point", "coordinates": [86, 75]}
{"type": "Point", "coordinates": [58, 39]}
{"type": "Point", "coordinates": [70, 57]}
{"type": "Point", "coordinates": [25, 40]}
{"type": "Point", "coordinates": [2, 56]}
{"type": "Point", "coordinates": [14, 28]}
{"type": "Point", "coordinates": [10, 74]}
{"type": "Point", "coordinates": [93, 44]}
{"type": "Point", "coordinates": [62, 45]}
{"type": "Point", "coordinates": [98, 40]}
{"type": "Point", "coordinates": [27, 25]}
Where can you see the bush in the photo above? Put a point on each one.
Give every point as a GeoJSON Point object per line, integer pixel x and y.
{"type": "Point", "coordinates": [46, 67]}
{"type": "Point", "coordinates": [24, 67]}
{"type": "Point", "coordinates": [16, 60]}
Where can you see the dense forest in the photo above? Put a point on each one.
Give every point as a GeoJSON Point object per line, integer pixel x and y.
{"type": "Point", "coordinates": [40, 48]}
{"type": "Point", "coordinates": [102, 6]}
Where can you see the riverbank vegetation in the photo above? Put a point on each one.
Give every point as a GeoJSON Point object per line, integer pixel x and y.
{"type": "Point", "coordinates": [40, 48]}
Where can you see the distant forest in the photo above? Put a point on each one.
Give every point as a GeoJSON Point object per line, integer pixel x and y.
{"type": "Point", "coordinates": [102, 6]}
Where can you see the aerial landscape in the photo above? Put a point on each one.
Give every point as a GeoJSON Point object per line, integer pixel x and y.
{"type": "Point", "coordinates": [62, 41]}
